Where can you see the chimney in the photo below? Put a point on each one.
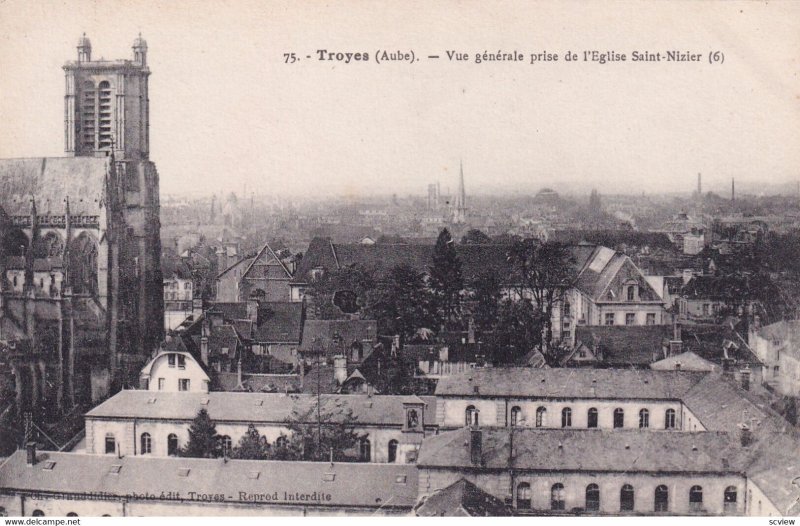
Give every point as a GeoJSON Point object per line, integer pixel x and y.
{"type": "Point", "coordinates": [204, 350]}
{"type": "Point", "coordinates": [471, 332]}
{"type": "Point", "coordinates": [252, 310]}
{"type": "Point", "coordinates": [745, 378]}
{"type": "Point", "coordinates": [30, 448]}
{"type": "Point", "coordinates": [745, 435]}
{"type": "Point", "coordinates": [239, 373]}
{"type": "Point", "coordinates": [476, 447]}
{"type": "Point", "coordinates": [340, 369]}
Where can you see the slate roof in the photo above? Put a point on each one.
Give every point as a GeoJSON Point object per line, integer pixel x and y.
{"type": "Point", "coordinates": [462, 499]}
{"type": "Point", "coordinates": [689, 362]}
{"type": "Point", "coordinates": [709, 341]}
{"type": "Point", "coordinates": [279, 322]}
{"type": "Point", "coordinates": [49, 180]}
{"type": "Point", "coordinates": [349, 484]}
{"type": "Point", "coordinates": [525, 382]}
{"type": "Point", "coordinates": [623, 345]}
{"type": "Point", "coordinates": [236, 310]}
{"type": "Point", "coordinates": [319, 333]}
{"type": "Point", "coordinates": [255, 407]}
{"type": "Point", "coordinates": [629, 451]}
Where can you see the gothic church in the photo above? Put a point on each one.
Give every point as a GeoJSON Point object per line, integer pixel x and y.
{"type": "Point", "coordinates": [81, 301]}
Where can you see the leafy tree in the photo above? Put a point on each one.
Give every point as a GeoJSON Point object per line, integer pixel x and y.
{"type": "Point", "coordinates": [486, 299]}
{"type": "Point", "coordinates": [252, 446]}
{"type": "Point", "coordinates": [445, 276]}
{"type": "Point", "coordinates": [204, 442]}
{"type": "Point", "coordinates": [341, 290]}
{"type": "Point", "coordinates": [315, 434]}
{"type": "Point", "coordinates": [403, 304]}
{"type": "Point", "coordinates": [475, 237]}
{"type": "Point", "coordinates": [517, 331]}
{"type": "Point", "coordinates": [545, 271]}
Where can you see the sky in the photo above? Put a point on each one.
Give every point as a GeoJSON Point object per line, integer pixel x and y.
{"type": "Point", "coordinates": [228, 114]}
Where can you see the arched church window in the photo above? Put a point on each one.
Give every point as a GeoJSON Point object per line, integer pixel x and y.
{"type": "Point", "coordinates": [49, 246]}
{"type": "Point", "coordinates": [15, 242]}
{"type": "Point", "coordinates": [83, 264]}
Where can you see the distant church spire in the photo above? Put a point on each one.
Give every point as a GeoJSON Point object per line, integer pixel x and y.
{"type": "Point", "coordinates": [460, 215]}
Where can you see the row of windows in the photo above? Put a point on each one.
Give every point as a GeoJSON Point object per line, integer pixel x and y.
{"type": "Point", "coordinates": [630, 318]}
{"type": "Point", "coordinates": [471, 417]}
{"type": "Point", "coordinates": [184, 384]}
{"type": "Point", "coordinates": [627, 498]}
{"type": "Point", "coordinates": [146, 446]}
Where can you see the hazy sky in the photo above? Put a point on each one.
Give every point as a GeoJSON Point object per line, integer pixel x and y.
{"type": "Point", "coordinates": [227, 112]}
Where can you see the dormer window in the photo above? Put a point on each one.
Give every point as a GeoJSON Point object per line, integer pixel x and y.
{"type": "Point", "coordinates": [181, 361]}
{"type": "Point", "coordinates": [171, 360]}
{"type": "Point", "coordinates": [631, 292]}
{"type": "Point", "coordinates": [317, 273]}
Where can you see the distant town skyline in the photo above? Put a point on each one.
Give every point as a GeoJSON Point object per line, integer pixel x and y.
{"type": "Point", "coordinates": [230, 115]}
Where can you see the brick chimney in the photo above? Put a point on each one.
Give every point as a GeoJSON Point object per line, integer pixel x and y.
{"type": "Point", "coordinates": [476, 447]}
{"type": "Point", "coordinates": [745, 435]}
{"type": "Point", "coordinates": [30, 448]}
{"type": "Point", "coordinates": [340, 369]}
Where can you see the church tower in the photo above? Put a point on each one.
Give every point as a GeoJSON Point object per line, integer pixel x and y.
{"type": "Point", "coordinates": [106, 104]}
{"type": "Point", "coordinates": [460, 211]}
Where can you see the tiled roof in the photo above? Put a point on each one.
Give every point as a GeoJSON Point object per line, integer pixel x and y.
{"type": "Point", "coordinates": [349, 484]}
{"type": "Point", "coordinates": [260, 383]}
{"type": "Point", "coordinates": [253, 407]}
{"type": "Point", "coordinates": [462, 499]}
{"type": "Point", "coordinates": [688, 360]}
{"type": "Point", "coordinates": [49, 180]}
{"type": "Point", "coordinates": [318, 334]}
{"type": "Point", "coordinates": [279, 322]}
{"type": "Point", "coordinates": [625, 345]}
{"type": "Point", "coordinates": [629, 451]}
{"type": "Point", "coordinates": [569, 383]}
{"type": "Point", "coordinates": [235, 310]}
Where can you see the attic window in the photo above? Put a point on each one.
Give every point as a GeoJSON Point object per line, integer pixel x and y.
{"type": "Point", "coordinates": [204, 401]}
{"type": "Point", "coordinates": [253, 475]}
{"type": "Point", "coordinates": [49, 465]}
{"type": "Point", "coordinates": [328, 477]}
{"type": "Point", "coordinates": [400, 479]}
{"type": "Point", "coordinates": [183, 472]}
{"type": "Point", "coordinates": [115, 469]}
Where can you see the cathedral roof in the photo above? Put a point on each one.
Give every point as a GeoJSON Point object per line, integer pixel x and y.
{"type": "Point", "coordinates": [49, 180]}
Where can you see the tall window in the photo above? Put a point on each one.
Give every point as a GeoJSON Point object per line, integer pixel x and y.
{"type": "Point", "coordinates": [183, 384]}
{"type": "Point", "coordinates": [393, 450]}
{"type": "Point", "coordinates": [729, 501]}
{"type": "Point", "coordinates": [146, 444]}
{"type": "Point", "coordinates": [630, 318]}
{"type": "Point", "coordinates": [591, 417]}
{"type": "Point", "coordinates": [609, 318]}
{"type": "Point", "coordinates": [644, 418]}
{"type": "Point", "coordinates": [111, 444]}
{"type": "Point", "coordinates": [227, 445]}
{"type": "Point", "coordinates": [626, 498]}
{"type": "Point", "coordinates": [161, 384]}
{"type": "Point", "coordinates": [364, 450]}
{"type": "Point", "coordinates": [181, 361]}
{"type": "Point", "coordinates": [631, 292]}
{"type": "Point", "coordinates": [82, 270]}
{"type": "Point", "coordinates": [516, 414]}
{"type": "Point", "coordinates": [566, 417]}
{"type": "Point", "coordinates": [619, 417]}
{"type": "Point", "coordinates": [661, 498]}
{"type": "Point", "coordinates": [669, 419]}
{"type": "Point", "coordinates": [172, 445]}
{"type": "Point", "coordinates": [557, 497]}
{"type": "Point", "coordinates": [471, 416]}
{"type": "Point", "coordinates": [524, 496]}
{"type": "Point", "coordinates": [567, 308]}
{"type": "Point", "coordinates": [651, 318]}
{"type": "Point", "coordinates": [104, 106]}
{"type": "Point", "coordinates": [696, 498]}
{"type": "Point", "coordinates": [171, 359]}
{"type": "Point", "coordinates": [88, 115]}
{"type": "Point", "coordinates": [541, 417]}
{"type": "Point", "coordinates": [592, 497]}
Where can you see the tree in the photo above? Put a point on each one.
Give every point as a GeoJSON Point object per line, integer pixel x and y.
{"type": "Point", "coordinates": [204, 442]}
{"type": "Point", "coordinates": [475, 237]}
{"type": "Point", "coordinates": [545, 271]}
{"type": "Point", "coordinates": [344, 290]}
{"type": "Point", "coordinates": [445, 276]}
{"type": "Point", "coordinates": [517, 331]}
{"type": "Point", "coordinates": [403, 304]}
{"type": "Point", "coordinates": [252, 446]}
{"type": "Point", "coordinates": [314, 436]}
{"type": "Point", "coordinates": [486, 299]}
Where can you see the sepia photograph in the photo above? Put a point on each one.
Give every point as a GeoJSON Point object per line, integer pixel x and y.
{"type": "Point", "coordinates": [399, 259]}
